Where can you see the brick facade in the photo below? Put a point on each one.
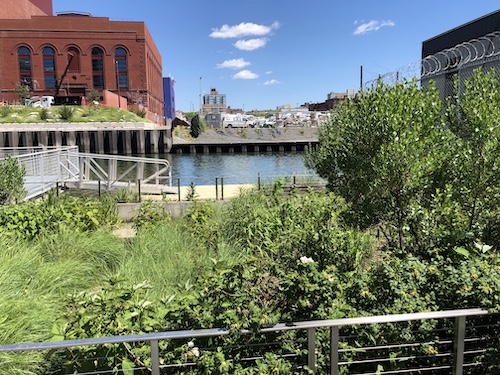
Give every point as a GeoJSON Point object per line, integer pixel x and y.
{"type": "Point", "coordinates": [140, 68]}
{"type": "Point", "coordinates": [17, 9]}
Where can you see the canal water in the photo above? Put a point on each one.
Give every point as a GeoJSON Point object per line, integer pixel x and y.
{"type": "Point", "coordinates": [203, 169]}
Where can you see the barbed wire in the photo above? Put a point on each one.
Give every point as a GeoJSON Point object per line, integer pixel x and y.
{"type": "Point", "coordinates": [463, 57]}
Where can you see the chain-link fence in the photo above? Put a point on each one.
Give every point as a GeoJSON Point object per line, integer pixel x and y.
{"type": "Point", "coordinates": [443, 67]}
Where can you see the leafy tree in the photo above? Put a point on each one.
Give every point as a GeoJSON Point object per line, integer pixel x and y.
{"type": "Point", "coordinates": [383, 152]}
{"type": "Point", "coordinates": [474, 120]}
{"type": "Point", "coordinates": [11, 180]}
{"type": "Point", "coordinates": [23, 91]}
{"type": "Point", "coordinates": [195, 126]}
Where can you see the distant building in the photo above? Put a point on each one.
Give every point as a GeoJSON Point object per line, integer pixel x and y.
{"type": "Point", "coordinates": [213, 102]}
{"type": "Point", "coordinates": [73, 53]}
{"type": "Point", "coordinates": [333, 100]}
{"type": "Point", "coordinates": [454, 54]}
{"type": "Point", "coordinates": [169, 97]}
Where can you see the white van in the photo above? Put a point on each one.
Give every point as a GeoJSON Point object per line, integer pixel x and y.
{"type": "Point", "coordinates": [235, 121]}
{"type": "Point", "coordinates": [40, 101]}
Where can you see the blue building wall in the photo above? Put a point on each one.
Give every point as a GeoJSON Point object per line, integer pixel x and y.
{"type": "Point", "coordinates": [169, 97]}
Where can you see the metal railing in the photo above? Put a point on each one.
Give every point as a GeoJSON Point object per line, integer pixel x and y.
{"type": "Point", "coordinates": [455, 359]}
{"type": "Point", "coordinates": [47, 167]}
{"type": "Point", "coordinates": [114, 171]}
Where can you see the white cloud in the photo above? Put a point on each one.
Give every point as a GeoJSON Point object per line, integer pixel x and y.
{"type": "Point", "coordinates": [233, 64]}
{"type": "Point", "coordinates": [373, 25]}
{"type": "Point", "coordinates": [271, 82]}
{"type": "Point", "coordinates": [242, 30]}
{"type": "Point", "coordinates": [245, 74]}
{"type": "Point", "coordinates": [269, 72]}
{"type": "Point", "coordinates": [250, 44]}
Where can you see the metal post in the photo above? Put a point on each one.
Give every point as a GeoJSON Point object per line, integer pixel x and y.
{"type": "Point", "coordinates": [216, 188]}
{"type": "Point", "coordinates": [179, 189]}
{"type": "Point", "coordinates": [155, 358]}
{"type": "Point", "coordinates": [258, 181]}
{"type": "Point", "coordinates": [139, 189]}
{"type": "Point", "coordinates": [99, 187]}
{"type": "Point", "coordinates": [334, 350]}
{"type": "Point", "coordinates": [222, 188]}
{"type": "Point", "coordinates": [311, 349]}
{"type": "Point", "coordinates": [459, 345]}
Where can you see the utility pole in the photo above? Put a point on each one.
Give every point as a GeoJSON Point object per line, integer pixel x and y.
{"type": "Point", "coordinates": [361, 78]}
{"type": "Point", "coordinates": [200, 99]}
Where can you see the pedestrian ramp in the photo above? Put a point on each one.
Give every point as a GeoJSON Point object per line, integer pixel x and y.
{"type": "Point", "coordinates": [47, 168]}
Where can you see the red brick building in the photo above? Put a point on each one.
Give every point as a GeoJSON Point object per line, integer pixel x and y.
{"type": "Point", "coordinates": [70, 54]}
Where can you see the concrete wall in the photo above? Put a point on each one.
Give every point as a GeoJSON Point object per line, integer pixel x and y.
{"type": "Point", "coordinates": [126, 211]}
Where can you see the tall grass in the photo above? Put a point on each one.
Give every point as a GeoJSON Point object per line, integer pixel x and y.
{"type": "Point", "coordinates": [35, 278]}
{"type": "Point", "coordinates": [164, 256]}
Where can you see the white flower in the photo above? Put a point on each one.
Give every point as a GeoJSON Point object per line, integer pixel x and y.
{"type": "Point", "coordinates": [191, 344]}
{"type": "Point", "coordinates": [305, 260]}
{"type": "Point", "coordinates": [195, 351]}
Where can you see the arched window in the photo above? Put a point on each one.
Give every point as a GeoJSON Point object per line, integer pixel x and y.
{"type": "Point", "coordinates": [121, 68]}
{"type": "Point", "coordinates": [49, 67]}
{"type": "Point", "coordinates": [98, 67]}
{"type": "Point", "coordinates": [73, 60]}
{"type": "Point", "coordinates": [24, 58]}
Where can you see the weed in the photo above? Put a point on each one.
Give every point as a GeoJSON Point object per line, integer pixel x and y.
{"type": "Point", "coordinates": [66, 112]}
{"type": "Point", "coordinates": [44, 114]}
{"type": "Point", "coordinates": [191, 193]}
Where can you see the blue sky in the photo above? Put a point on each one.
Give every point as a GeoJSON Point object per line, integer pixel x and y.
{"type": "Point", "coordinates": [267, 53]}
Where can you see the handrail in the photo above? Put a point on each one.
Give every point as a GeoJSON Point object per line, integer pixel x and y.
{"type": "Point", "coordinates": [48, 166]}
{"type": "Point", "coordinates": [310, 326]}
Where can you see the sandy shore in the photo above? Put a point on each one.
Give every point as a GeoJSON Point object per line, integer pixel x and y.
{"type": "Point", "coordinates": [207, 192]}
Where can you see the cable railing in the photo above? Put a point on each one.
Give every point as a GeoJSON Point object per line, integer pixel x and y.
{"type": "Point", "coordinates": [459, 344]}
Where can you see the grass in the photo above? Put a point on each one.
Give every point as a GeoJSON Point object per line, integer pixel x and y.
{"type": "Point", "coordinates": [23, 114]}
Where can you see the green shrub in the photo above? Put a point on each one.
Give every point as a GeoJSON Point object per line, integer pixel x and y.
{"type": "Point", "coordinates": [150, 214]}
{"type": "Point", "coordinates": [44, 114]}
{"type": "Point", "coordinates": [12, 174]}
{"type": "Point", "coordinates": [66, 113]}
{"type": "Point", "coordinates": [6, 110]}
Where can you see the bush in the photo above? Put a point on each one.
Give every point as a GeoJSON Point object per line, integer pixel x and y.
{"type": "Point", "coordinates": [11, 180]}
{"type": "Point", "coordinates": [44, 114]}
{"type": "Point", "coordinates": [66, 113]}
{"type": "Point", "coordinates": [6, 110]}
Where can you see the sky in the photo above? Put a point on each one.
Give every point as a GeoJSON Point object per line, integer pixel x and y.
{"type": "Point", "coordinates": [267, 53]}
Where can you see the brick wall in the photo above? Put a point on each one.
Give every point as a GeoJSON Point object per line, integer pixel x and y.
{"type": "Point", "coordinates": [19, 9]}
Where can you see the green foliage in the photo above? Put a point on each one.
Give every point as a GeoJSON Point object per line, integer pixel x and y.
{"type": "Point", "coordinates": [23, 91]}
{"type": "Point", "coordinates": [66, 113]}
{"type": "Point", "coordinates": [150, 214]}
{"type": "Point", "coordinates": [113, 310]}
{"type": "Point", "coordinates": [423, 174]}
{"type": "Point", "coordinates": [35, 218]}
{"type": "Point", "coordinates": [44, 114]}
{"type": "Point", "coordinates": [140, 112]}
{"type": "Point", "coordinates": [6, 110]}
{"type": "Point", "coordinates": [11, 180]}
{"type": "Point", "coordinates": [93, 96]}
{"type": "Point", "coordinates": [191, 192]}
